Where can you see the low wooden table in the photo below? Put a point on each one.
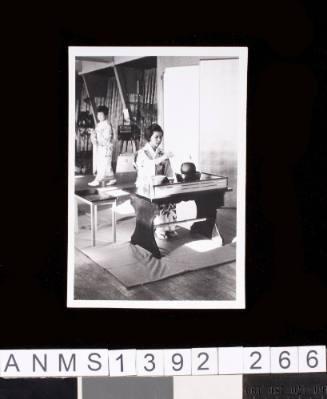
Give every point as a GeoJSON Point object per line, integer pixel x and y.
{"type": "Point", "coordinates": [95, 198]}
{"type": "Point", "coordinates": [208, 194]}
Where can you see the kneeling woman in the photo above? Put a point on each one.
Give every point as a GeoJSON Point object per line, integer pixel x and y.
{"type": "Point", "coordinates": [152, 161]}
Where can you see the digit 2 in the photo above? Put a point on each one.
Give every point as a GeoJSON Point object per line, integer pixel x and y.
{"type": "Point", "coordinates": [206, 358]}
{"type": "Point", "coordinates": [254, 365]}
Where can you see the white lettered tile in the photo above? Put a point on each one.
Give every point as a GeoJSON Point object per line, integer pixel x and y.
{"type": "Point", "coordinates": [204, 361]}
{"type": "Point", "coordinates": [312, 359]}
{"type": "Point", "coordinates": [284, 359]}
{"type": "Point", "coordinates": [150, 362]}
{"type": "Point", "coordinates": [92, 362]}
{"type": "Point", "coordinates": [122, 362]}
{"type": "Point", "coordinates": [15, 363]}
{"type": "Point", "coordinates": [177, 362]}
{"type": "Point", "coordinates": [256, 360]}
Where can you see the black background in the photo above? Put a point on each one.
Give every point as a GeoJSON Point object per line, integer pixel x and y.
{"type": "Point", "coordinates": [286, 279]}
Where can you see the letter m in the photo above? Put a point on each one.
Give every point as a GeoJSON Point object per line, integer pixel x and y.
{"type": "Point", "coordinates": [63, 364]}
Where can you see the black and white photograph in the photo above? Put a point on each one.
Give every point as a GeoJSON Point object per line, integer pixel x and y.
{"type": "Point", "coordinates": [163, 218]}
{"type": "Point", "coordinates": [157, 146]}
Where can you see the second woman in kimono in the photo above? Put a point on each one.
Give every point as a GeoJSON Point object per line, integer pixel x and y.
{"type": "Point", "coordinates": [102, 140]}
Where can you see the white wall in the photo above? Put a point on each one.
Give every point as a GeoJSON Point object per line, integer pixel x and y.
{"type": "Point", "coordinates": [181, 114]}
{"type": "Point", "coordinates": [218, 98]}
{"type": "Point", "coordinates": [162, 64]}
{"type": "Point", "coordinates": [219, 115]}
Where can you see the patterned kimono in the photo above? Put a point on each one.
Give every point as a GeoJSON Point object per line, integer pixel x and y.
{"type": "Point", "coordinates": [103, 146]}
{"type": "Point", "coordinates": [146, 169]}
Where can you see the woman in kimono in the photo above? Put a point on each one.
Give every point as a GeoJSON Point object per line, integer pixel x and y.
{"type": "Point", "coordinates": [102, 140]}
{"type": "Point", "coordinates": [152, 161]}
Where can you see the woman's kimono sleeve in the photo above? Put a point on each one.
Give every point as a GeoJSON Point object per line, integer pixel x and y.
{"type": "Point", "coordinates": [104, 135]}
{"type": "Point", "coordinates": [145, 166]}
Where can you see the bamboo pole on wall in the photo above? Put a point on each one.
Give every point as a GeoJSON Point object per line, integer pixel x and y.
{"type": "Point", "coordinates": [155, 107]}
{"type": "Point", "coordinates": [146, 105]}
{"type": "Point", "coordinates": [146, 86]}
{"type": "Point", "coordinates": [152, 95]}
{"type": "Point", "coordinates": [150, 89]}
{"type": "Point", "coordinates": [93, 110]}
{"type": "Point", "coordinates": [149, 96]}
{"type": "Point", "coordinates": [92, 103]}
{"type": "Point", "coordinates": [121, 91]}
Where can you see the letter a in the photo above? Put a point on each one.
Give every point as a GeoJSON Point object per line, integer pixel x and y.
{"type": "Point", "coordinates": [11, 363]}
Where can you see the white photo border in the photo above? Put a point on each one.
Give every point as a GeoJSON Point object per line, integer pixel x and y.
{"type": "Point", "coordinates": [220, 52]}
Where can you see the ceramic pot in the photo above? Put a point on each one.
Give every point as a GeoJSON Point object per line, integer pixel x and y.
{"type": "Point", "coordinates": [188, 168]}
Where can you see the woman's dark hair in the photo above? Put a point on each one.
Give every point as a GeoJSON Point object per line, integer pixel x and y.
{"type": "Point", "coordinates": [151, 129]}
{"type": "Point", "coordinates": [103, 109]}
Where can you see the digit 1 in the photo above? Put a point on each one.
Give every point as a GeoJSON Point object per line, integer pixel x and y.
{"type": "Point", "coordinates": [120, 357]}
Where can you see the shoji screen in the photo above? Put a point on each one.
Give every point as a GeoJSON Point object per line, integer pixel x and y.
{"type": "Point", "coordinates": [219, 113]}
{"type": "Point", "coordinates": [181, 114]}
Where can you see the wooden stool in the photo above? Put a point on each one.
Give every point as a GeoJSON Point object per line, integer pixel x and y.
{"type": "Point", "coordinates": [128, 133]}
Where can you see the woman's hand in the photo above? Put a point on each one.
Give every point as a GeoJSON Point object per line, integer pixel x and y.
{"type": "Point", "coordinates": [93, 137]}
{"type": "Point", "coordinates": [163, 157]}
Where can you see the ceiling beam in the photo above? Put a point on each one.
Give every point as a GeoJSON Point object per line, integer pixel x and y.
{"type": "Point", "coordinates": [90, 64]}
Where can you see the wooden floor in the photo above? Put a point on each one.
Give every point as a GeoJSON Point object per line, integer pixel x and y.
{"type": "Point", "coordinates": [214, 283]}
